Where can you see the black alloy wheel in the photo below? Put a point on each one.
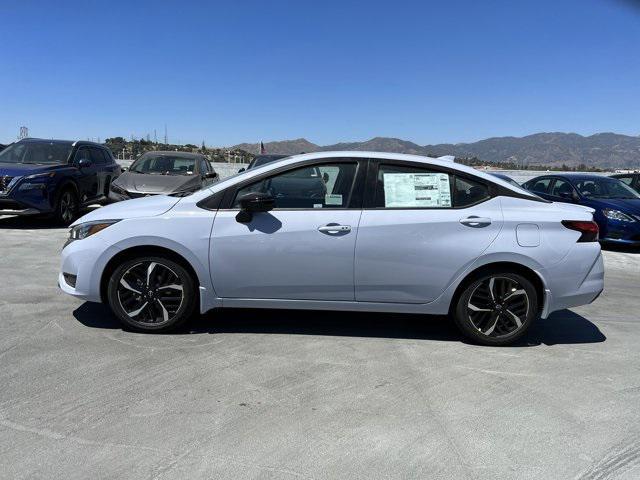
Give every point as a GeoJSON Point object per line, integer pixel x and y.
{"type": "Point", "coordinates": [151, 294]}
{"type": "Point", "coordinates": [497, 309]}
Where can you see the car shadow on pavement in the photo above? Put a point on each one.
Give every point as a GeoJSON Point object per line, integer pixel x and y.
{"type": "Point", "coordinates": [564, 327]}
{"type": "Point", "coordinates": [27, 223]}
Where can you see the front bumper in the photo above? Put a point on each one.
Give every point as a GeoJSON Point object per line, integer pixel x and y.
{"type": "Point", "coordinates": [85, 260]}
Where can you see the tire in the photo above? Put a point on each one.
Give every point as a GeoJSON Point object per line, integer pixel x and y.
{"type": "Point", "coordinates": [152, 294]}
{"type": "Point", "coordinates": [66, 208]}
{"type": "Point", "coordinates": [497, 308]}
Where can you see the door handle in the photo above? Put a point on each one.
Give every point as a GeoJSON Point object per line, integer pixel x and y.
{"type": "Point", "coordinates": [475, 222]}
{"type": "Point", "coordinates": [334, 228]}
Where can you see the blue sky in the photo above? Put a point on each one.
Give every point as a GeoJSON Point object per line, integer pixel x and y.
{"type": "Point", "coordinates": [329, 71]}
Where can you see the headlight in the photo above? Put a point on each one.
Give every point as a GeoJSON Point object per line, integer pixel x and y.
{"type": "Point", "coordinates": [118, 190]}
{"type": "Point", "coordinates": [617, 215]}
{"type": "Point", "coordinates": [87, 229]}
{"type": "Point", "coordinates": [36, 181]}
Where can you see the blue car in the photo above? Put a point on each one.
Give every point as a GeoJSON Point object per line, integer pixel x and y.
{"type": "Point", "coordinates": [616, 205]}
{"type": "Point", "coordinates": [54, 177]}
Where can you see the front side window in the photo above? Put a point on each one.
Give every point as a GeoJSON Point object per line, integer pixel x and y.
{"type": "Point", "coordinates": [82, 154]}
{"type": "Point", "coordinates": [97, 156]}
{"type": "Point", "coordinates": [38, 152]}
{"type": "Point", "coordinates": [539, 186]}
{"type": "Point", "coordinates": [317, 186]}
{"type": "Point", "coordinates": [562, 188]}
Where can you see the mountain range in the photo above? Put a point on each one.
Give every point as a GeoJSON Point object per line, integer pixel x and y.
{"type": "Point", "coordinates": [602, 150]}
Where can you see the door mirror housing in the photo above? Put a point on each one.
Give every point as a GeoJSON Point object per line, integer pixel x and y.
{"type": "Point", "coordinates": [254, 202]}
{"type": "Point", "coordinates": [211, 175]}
{"type": "Point", "coordinates": [84, 163]}
{"type": "Point", "coordinates": [241, 170]}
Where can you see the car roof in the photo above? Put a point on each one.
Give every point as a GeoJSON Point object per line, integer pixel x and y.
{"type": "Point", "coordinates": [174, 154]}
{"type": "Point", "coordinates": [294, 159]}
{"type": "Point", "coordinates": [577, 177]}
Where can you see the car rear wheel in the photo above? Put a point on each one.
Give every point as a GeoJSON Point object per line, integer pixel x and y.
{"type": "Point", "coordinates": [497, 308]}
{"type": "Point", "coordinates": [152, 294]}
{"type": "Point", "coordinates": [66, 207]}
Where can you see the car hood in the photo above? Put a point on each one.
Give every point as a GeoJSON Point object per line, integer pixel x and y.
{"type": "Point", "coordinates": [631, 205]}
{"type": "Point", "coordinates": [137, 208]}
{"type": "Point", "coordinates": [148, 183]}
{"type": "Point", "coordinates": [22, 169]}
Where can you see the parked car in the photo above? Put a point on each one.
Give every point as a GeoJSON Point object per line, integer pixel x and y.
{"type": "Point", "coordinates": [631, 179]}
{"type": "Point", "coordinates": [2, 147]}
{"type": "Point", "coordinates": [391, 233]}
{"type": "Point", "coordinates": [616, 205]}
{"type": "Point", "coordinates": [262, 160]}
{"type": "Point", "coordinates": [165, 173]}
{"type": "Point", "coordinates": [57, 177]}
{"type": "Point", "coordinates": [506, 178]}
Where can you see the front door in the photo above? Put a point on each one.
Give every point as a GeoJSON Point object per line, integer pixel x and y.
{"type": "Point", "coordinates": [422, 229]}
{"type": "Point", "coordinates": [301, 250]}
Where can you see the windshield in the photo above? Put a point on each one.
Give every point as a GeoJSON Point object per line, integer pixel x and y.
{"type": "Point", "coordinates": [164, 165]}
{"type": "Point", "coordinates": [42, 153]}
{"type": "Point", "coordinates": [605, 188]}
{"type": "Point", "coordinates": [264, 159]}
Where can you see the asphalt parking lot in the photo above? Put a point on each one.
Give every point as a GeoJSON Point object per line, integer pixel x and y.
{"type": "Point", "coordinates": [273, 394]}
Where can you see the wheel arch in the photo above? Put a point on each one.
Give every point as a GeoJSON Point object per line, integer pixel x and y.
{"type": "Point", "coordinates": [144, 250]}
{"type": "Point", "coordinates": [501, 266]}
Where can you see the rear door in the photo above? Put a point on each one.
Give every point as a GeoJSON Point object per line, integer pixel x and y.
{"type": "Point", "coordinates": [301, 250]}
{"type": "Point", "coordinates": [420, 228]}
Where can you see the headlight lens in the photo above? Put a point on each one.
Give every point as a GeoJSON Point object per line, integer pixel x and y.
{"type": "Point", "coordinates": [87, 229]}
{"type": "Point", "coordinates": [118, 190]}
{"type": "Point", "coordinates": [617, 215]}
{"type": "Point", "coordinates": [36, 181]}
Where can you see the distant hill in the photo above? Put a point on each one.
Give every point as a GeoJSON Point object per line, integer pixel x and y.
{"type": "Point", "coordinates": [602, 150]}
{"type": "Point", "coordinates": [286, 147]}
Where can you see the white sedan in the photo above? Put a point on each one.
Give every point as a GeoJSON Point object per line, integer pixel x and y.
{"type": "Point", "coordinates": [358, 231]}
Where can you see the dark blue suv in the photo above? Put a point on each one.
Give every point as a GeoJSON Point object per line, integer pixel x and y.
{"type": "Point", "coordinates": [55, 177]}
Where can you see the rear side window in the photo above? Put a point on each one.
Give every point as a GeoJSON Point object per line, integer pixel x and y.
{"type": "Point", "coordinates": [411, 187]}
{"type": "Point", "coordinates": [469, 192]}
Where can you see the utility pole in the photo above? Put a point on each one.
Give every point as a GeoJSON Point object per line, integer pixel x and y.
{"type": "Point", "coordinates": [166, 139]}
{"type": "Point", "coordinates": [155, 136]}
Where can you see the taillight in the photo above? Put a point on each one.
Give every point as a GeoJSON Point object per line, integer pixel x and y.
{"type": "Point", "coordinates": [589, 230]}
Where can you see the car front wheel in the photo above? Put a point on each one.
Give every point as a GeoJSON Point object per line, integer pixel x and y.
{"type": "Point", "coordinates": [152, 294]}
{"type": "Point", "coordinates": [497, 308]}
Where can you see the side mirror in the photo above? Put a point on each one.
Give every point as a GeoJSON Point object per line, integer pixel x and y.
{"type": "Point", "coordinates": [325, 177]}
{"type": "Point", "coordinates": [241, 170]}
{"type": "Point", "coordinates": [84, 163]}
{"type": "Point", "coordinates": [123, 169]}
{"type": "Point", "coordinates": [213, 175]}
{"type": "Point", "coordinates": [254, 202]}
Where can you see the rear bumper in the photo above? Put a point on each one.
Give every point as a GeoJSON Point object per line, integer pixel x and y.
{"type": "Point", "coordinates": [571, 287]}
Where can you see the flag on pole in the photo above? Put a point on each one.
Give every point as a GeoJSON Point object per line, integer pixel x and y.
{"type": "Point", "coordinates": [262, 149]}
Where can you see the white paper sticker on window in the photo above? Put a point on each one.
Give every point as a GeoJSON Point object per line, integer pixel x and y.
{"type": "Point", "coordinates": [417, 190]}
{"type": "Point", "coordinates": [333, 199]}
{"type": "Point", "coordinates": [317, 205]}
